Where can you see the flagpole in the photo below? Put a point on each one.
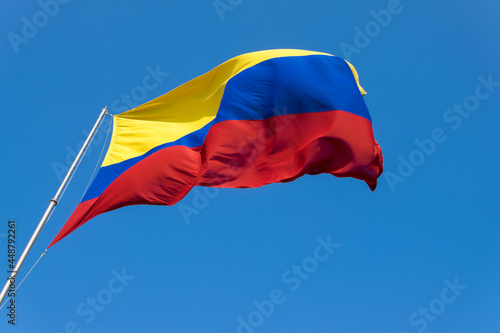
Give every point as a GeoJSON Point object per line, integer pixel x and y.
{"type": "Point", "coordinates": [51, 207]}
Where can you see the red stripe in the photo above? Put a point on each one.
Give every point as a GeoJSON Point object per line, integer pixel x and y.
{"type": "Point", "coordinates": [163, 178]}
{"type": "Point", "coordinates": [247, 153]}
{"type": "Point", "coordinates": [283, 148]}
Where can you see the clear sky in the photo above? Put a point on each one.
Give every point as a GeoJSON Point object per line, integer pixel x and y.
{"type": "Point", "coordinates": [320, 254]}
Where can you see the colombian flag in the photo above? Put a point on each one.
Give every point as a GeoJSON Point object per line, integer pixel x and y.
{"type": "Point", "coordinates": [259, 118]}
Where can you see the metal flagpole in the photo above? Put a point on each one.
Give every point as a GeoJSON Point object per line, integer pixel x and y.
{"type": "Point", "coordinates": [52, 205]}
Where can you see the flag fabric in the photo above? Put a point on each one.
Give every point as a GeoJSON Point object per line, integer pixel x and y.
{"type": "Point", "coordinates": [259, 118]}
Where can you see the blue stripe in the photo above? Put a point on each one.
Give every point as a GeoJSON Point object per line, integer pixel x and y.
{"type": "Point", "coordinates": [278, 86]}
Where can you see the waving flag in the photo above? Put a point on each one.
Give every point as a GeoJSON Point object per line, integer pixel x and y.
{"type": "Point", "coordinates": [259, 118]}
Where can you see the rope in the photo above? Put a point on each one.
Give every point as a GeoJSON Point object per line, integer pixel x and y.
{"type": "Point", "coordinates": [24, 277]}
{"type": "Point", "coordinates": [80, 161]}
{"type": "Point", "coordinates": [98, 161]}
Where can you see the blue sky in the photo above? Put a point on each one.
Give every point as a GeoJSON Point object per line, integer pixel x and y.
{"type": "Point", "coordinates": [320, 254]}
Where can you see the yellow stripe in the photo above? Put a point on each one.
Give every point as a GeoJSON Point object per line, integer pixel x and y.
{"type": "Point", "coordinates": [183, 110]}
{"type": "Point", "coordinates": [356, 77]}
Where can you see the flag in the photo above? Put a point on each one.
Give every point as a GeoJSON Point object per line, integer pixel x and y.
{"type": "Point", "coordinates": [259, 118]}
